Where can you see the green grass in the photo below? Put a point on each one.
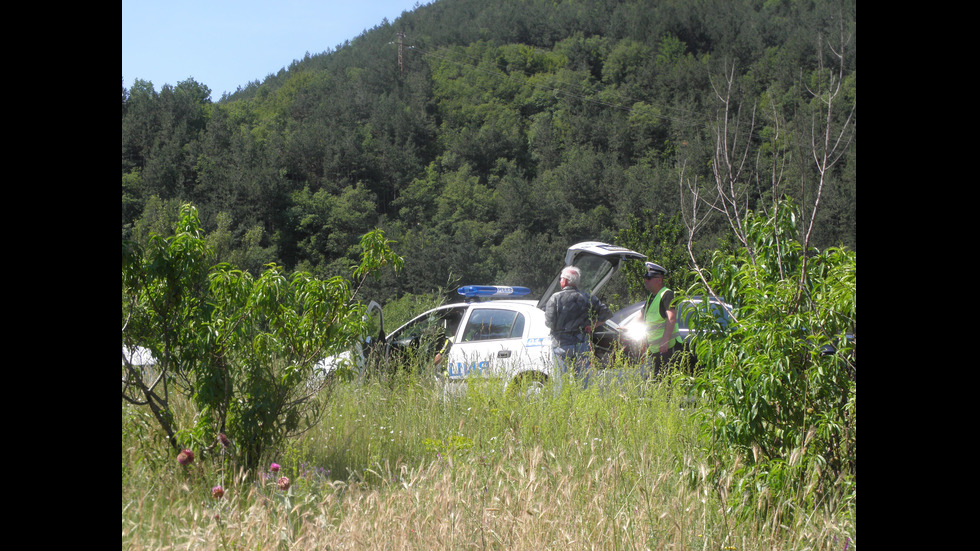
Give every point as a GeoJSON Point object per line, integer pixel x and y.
{"type": "Point", "coordinates": [402, 466]}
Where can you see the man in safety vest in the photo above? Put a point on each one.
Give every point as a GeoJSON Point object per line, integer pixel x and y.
{"type": "Point", "coordinates": [661, 321]}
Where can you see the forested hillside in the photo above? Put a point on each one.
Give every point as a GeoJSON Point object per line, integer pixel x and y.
{"type": "Point", "coordinates": [486, 136]}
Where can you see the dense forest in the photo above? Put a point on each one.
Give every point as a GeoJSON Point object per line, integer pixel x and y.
{"type": "Point", "coordinates": [486, 136]}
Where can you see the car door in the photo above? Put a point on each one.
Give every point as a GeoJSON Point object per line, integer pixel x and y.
{"type": "Point", "coordinates": [425, 334]}
{"type": "Point", "coordinates": [489, 341]}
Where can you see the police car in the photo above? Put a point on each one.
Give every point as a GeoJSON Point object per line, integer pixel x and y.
{"type": "Point", "coordinates": [495, 332]}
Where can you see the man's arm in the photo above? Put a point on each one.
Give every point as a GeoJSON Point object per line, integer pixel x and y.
{"type": "Point", "coordinates": [668, 330]}
{"type": "Point", "coordinates": [600, 311]}
{"type": "Point", "coordinates": [549, 312]}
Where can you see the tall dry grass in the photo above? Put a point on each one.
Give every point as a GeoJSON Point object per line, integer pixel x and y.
{"type": "Point", "coordinates": [404, 466]}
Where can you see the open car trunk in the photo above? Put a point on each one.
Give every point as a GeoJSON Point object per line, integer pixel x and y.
{"type": "Point", "coordinates": [597, 261]}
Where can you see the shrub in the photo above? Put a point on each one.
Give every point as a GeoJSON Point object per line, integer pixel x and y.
{"type": "Point", "coordinates": [771, 393]}
{"type": "Point", "coordinates": [242, 349]}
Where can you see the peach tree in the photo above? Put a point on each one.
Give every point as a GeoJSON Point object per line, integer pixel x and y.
{"type": "Point", "coordinates": [241, 348]}
{"type": "Point", "coordinates": [779, 386]}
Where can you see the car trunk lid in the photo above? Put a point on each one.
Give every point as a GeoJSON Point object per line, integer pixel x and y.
{"type": "Point", "coordinates": [597, 261]}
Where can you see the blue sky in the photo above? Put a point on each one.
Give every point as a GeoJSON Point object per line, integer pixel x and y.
{"type": "Point", "coordinates": [225, 44]}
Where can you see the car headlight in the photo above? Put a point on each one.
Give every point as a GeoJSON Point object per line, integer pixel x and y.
{"type": "Point", "coordinates": [635, 332]}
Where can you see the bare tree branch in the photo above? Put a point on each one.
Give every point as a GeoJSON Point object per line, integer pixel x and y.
{"type": "Point", "coordinates": [831, 145]}
{"type": "Point", "coordinates": [731, 157]}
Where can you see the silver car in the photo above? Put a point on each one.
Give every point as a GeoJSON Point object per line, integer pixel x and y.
{"type": "Point", "coordinates": [630, 325]}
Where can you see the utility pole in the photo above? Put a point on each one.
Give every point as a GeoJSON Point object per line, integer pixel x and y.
{"type": "Point", "coordinates": [401, 66]}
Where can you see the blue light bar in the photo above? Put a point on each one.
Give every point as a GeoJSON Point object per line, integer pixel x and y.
{"type": "Point", "coordinates": [492, 291]}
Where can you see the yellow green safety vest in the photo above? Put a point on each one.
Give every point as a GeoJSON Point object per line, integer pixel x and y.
{"type": "Point", "coordinates": [656, 324]}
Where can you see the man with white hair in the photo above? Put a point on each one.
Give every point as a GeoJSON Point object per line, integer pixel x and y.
{"type": "Point", "coordinates": [571, 315]}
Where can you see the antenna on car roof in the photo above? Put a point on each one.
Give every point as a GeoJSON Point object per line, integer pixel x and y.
{"type": "Point", "coordinates": [472, 292]}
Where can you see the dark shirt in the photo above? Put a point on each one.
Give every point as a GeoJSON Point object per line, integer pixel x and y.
{"type": "Point", "coordinates": [569, 311]}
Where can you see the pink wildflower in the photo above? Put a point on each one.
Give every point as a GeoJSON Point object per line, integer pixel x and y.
{"type": "Point", "coordinates": [274, 467]}
{"type": "Point", "coordinates": [185, 457]}
{"type": "Point", "coordinates": [217, 492]}
{"type": "Point", "coordinates": [283, 483]}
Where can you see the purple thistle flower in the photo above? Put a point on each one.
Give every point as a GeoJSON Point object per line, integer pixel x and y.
{"type": "Point", "coordinates": [274, 467]}
{"type": "Point", "coordinates": [217, 492]}
{"type": "Point", "coordinates": [185, 457]}
{"type": "Point", "coordinates": [283, 483]}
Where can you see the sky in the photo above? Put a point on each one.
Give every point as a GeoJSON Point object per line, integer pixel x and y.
{"type": "Point", "coordinates": [224, 44]}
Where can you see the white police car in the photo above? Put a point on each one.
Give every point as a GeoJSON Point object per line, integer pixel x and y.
{"type": "Point", "coordinates": [494, 332]}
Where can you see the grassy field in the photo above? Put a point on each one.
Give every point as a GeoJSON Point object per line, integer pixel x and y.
{"type": "Point", "coordinates": [403, 466]}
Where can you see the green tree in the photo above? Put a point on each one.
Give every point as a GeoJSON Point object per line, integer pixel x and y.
{"type": "Point", "coordinates": [132, 201]}
{"type": "Point", "coordinates": [327, 224]}
{"type": "Point", "coordinates": [571, 116]}
{"type": "Point", "coordinates": [160, 132]}
{"type": "Point", "coordinates": [242, 349]}
{"type": "Point", "coordinates": [244, 251]}
{"type": "Point", "coordinates": [141, 120]}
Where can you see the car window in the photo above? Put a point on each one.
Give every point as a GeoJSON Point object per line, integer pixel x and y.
{"type": "Point", "coordinates": [488, 324]}
{"type": "Point", "coordinates": [686, 310]}
{"type": "Point", "coordinates": [593, 269]}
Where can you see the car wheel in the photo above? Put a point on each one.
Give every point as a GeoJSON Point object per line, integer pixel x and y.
{"type": "Point", "coordinates": [527, 385]}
